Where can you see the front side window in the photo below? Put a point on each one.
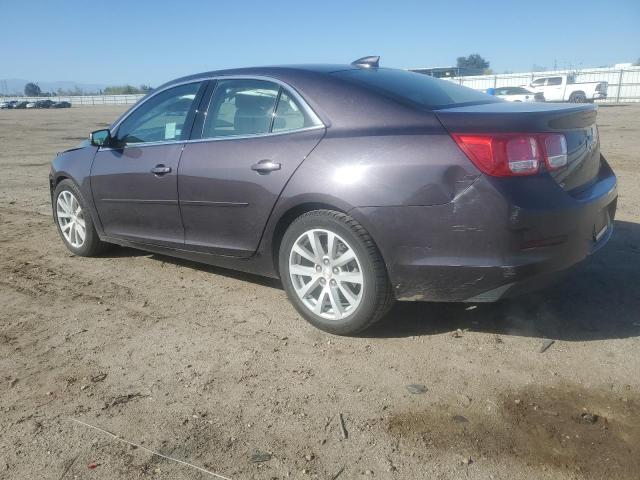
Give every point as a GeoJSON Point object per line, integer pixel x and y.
{"type": "Point", "coordinates": [161, 118]}
{"type": "Point", "coordinates": [539, 82]}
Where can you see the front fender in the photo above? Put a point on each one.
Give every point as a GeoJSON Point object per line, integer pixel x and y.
{"type": "Point", "coordinates": [75, 165]}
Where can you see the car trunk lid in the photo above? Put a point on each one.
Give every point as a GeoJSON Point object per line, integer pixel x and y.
{"type": "Point", "coordinates": [576, 122]}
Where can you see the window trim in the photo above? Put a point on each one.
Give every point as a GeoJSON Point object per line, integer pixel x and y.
{"type": "Point", "coordinates": [189, 119]}
{"type": "Point", "coordinates": [209, 101]}
{"type": "Point", "coordinates": [205, 99]}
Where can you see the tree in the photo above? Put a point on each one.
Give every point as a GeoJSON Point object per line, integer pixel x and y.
{"type": "Point", "coordinates": [121, 90]}
{"type": "Point", "coordinates": [637, 64]}
{"type": "Point", "coordinates": [31, 90]}
{"type": "Point", "coordinates": [473, 61]}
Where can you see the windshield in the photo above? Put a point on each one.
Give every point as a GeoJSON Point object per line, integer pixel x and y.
{"type": "Point", "coordinates": [415, 88]}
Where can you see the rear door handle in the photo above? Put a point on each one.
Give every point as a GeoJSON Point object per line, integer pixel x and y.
{"type": "Point", "coordinates": [160, 170]}
{"type": "Point", "coordinates": [265, 166]}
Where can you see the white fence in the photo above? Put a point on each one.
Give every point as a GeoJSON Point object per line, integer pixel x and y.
{"type": "Point", "coordinates": [81, 100]}
{"type": "Point", "coordinates": [624, 84]}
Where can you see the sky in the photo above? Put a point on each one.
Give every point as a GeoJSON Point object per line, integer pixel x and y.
{"type": "Point", "coordinates": [144, 42]}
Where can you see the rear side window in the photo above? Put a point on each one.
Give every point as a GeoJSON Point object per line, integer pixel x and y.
{"type": "Point", "coordinates": [241, 107]}
{"type": "Point", "coordinates": [515, 91]}
{"type": "Point", "coordinates": [415, 88]}
{"type": "Point", "coordinates": [289, 115]}
{"type": "Point", "coordinates": [554, 81]}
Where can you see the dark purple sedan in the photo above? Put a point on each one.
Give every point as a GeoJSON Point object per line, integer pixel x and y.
{"type": "Point", "coordinates": [355, 185]}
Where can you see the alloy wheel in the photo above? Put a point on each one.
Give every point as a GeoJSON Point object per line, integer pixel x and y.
{"type": "Point", "coordinates": [326, 274]}
{"type": "Point", "coordinates": [71, 219]}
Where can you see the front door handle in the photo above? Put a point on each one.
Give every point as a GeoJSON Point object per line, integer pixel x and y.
{"type": "Point", "coordinates": [265, 166]}
{"type": "Point", "coordinates": [160, 170]}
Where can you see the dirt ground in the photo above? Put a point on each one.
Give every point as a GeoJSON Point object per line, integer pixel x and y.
{"type": "Point", "coordinates": [215, 368]}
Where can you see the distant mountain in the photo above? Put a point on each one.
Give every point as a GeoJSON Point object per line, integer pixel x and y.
{"type": "Point", "coordinates": [11, 86]}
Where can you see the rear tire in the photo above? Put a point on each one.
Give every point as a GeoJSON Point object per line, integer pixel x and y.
{"type": "Point", "coordinates": [333, 273]}
{"type": "Point", "coordinates": [577, 97]}
{"type": "Point", "coordinates": [74, 221]}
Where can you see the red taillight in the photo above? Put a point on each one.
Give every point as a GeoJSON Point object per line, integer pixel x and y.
{"type": "Point", "coordinates": [513, 154]}
{"type": "Point", "coordinates": [555, 149]}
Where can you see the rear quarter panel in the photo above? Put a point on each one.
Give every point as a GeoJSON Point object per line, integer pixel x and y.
{"type": "Point", "coordinates": [379, 167]}
{"type": "Point", "coordinates": [424, 168]}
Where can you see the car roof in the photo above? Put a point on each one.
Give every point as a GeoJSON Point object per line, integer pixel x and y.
{"type": "Point", "coordinates": [276, 71]}
{"type": "Point", "coordinates": [327, 95]}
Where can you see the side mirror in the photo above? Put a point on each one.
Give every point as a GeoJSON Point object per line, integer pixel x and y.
{"type": "Point", "coordinates": [100, 137]}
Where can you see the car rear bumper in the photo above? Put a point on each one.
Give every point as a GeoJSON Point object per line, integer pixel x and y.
{"type": "Point", "coordinates": [499, 238]}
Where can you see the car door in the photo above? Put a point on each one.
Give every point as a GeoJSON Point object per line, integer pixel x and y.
{"type": "Point", "coordinates": [554, 91]}
{"type": "Point", "coordinates": [253, 137]}
{"type": "Point", "coordinates": [134, 181]}
{"type": "Point", "coordinates": [539, 86]}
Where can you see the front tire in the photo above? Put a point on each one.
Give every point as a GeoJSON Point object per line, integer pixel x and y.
{"type": "Point", "coordinates": [74, 221]}
{"type": "Point", "coordinates": [333, 272]}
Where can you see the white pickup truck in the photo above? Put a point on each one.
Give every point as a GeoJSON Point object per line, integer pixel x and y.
{"type": "Point", "coordinates": [563, 88]}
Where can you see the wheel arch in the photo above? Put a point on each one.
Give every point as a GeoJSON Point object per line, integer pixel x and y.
{"type": "Point", "coordinates": [55, 180]}
{"type": "Point", "coordinates": [576, 93]}
{"type": "Point", "coordinates": [288, 217]}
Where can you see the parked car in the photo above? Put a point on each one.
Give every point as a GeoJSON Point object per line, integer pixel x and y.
{"type": "Point", "coordinates": [518, 94]}
{"type": "Point", "coordinates": [563, 88]}
{"type": "Point", "coordinates": [355, 185]}
{"type": "Point", "coordinates": [21, 105]}
{"type": "Point", "coordinates": [44, 103]}
{"type": "Point", "coordinates": [62, 104]}
{"type": "Point", "coordinates": [4, 105]}
{"type": "Point", "coordinates": [31, 105]}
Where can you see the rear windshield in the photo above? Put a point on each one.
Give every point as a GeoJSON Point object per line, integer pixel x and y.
{"type": "Point", "coordinates": [415, 88]}
{"type": "Point", "coordinates": [516, 91]}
